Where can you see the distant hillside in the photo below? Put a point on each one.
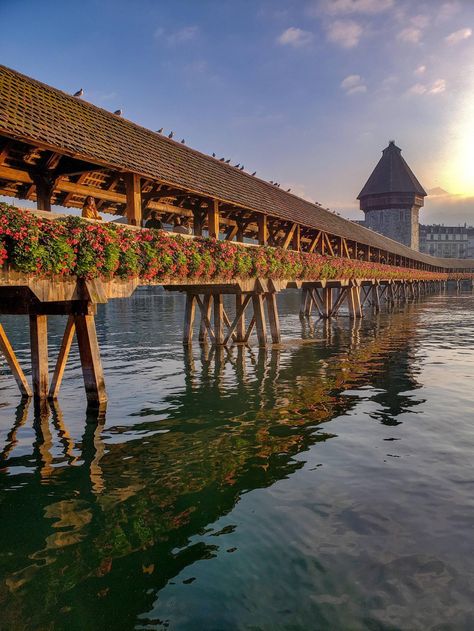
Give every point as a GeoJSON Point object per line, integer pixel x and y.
{"type": "Point", "coordinates": [438, 192]}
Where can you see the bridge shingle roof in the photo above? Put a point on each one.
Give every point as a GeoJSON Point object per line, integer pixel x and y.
{"type": "Point", "coordinates": [34, 112]}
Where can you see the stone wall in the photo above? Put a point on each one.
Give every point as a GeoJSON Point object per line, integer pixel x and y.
{"type": "Point", "coordinates": [400, 224]}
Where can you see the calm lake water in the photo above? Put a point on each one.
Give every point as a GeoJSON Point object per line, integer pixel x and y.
{"type": "Point", "coordinates": [326, 484]}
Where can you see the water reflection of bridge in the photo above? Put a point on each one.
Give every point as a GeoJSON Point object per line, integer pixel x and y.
{"type": "Point", "coordinates": [86, 519]}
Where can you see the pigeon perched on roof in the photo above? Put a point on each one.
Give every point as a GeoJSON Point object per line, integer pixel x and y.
{"type": "Point", "coordinates": [227, 161]}
{"type": "Point", "coordinates": [118, 112]}
{"type": "Point", "coordinates": [213, 154]}
{"type": "Point", "coordinates": [79, 93]}
{"type": "Point", "coordinates": [171, 134]}
{"type": "Point", "coordinates": [237, 165]}
{"type": "Point", "coordinates": [160, 131]}
{"type": "Point", "coordinates": [242, 168]}
{"type": "Point", "coordinates": [254, 173]}
{"type": "Point", "coordinates": [288, 190]}
{"type": "Point", "coordinates": [183, 142]}
{"type": "Point", "coordinates": [221, 159]}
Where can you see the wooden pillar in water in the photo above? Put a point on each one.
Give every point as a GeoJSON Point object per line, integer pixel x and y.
{"type": "Point", "coordinates": [259, 315]}
{"type": "Point", "coordinates": [240, 328]}
{"type": "Point", "coordinates": [375, 298]}
{"type": "Point", "coordinates": [189, 313]}
{"type": "Point", "coordinates": [218, 319]}
{"type": "Point", "coordinates": [62, 358]}
{"type": "Point", "coordinates": [353, 301]}
{"type": "Point", "coordinates": [327, 302]}
{"type": "Point", "coordinates": [90, 359]}
{"type": "Point", "coordinates": [39, 355]}
{"type": "Point", "coordinates": [273, 318]}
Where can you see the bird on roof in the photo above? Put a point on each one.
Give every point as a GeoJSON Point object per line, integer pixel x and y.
{"type": "Point", "coordinates": [242, 168]}
{"type": "Point", "coordinates": [272, 182]}
{"type": "Point", "coordinates": [213, 154]}
{"type": "Point", "coordinates": [221, 159]}
{"type": "Point", "coordinates": [237, 165]}
{"type": "Point", "coordinates": [183, 142]}
{"type": "Point", "coordinates": [227, 161]}
{"type": "Point", "coordinates": [288, 190]}
{"type": "Point", "coordinates": [171, 134]}
{"type": "Point", "coordinates": [79, 93]}
{"type": "Point", "coordinates": [118, 112]}
{"type": "Point", "coordinates": [160, 131]}
{"type": "Point", "coordinates": [254, 173]}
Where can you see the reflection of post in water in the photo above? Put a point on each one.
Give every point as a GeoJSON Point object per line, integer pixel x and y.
{"type": "Point", "coordinates": [64, 436]}
{"type": "Point", "coordinates": [93, 447]}
{"type": "Point", "coordinates": [21, 414]}
{"type": "Point", "coordinates": [42, 447]}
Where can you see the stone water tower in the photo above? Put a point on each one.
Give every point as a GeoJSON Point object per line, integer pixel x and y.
{"type": "Point", "coordinates": [392, 197]}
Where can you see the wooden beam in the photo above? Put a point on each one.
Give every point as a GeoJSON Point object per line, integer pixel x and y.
{"type": "Point", "coordinates": [314, 242]}
{"type": "Point", "coordinates": [288, 237]}
{"type": "Point", "coordinates": [231, 233]}
{"type": "Point", "coordinates": [205, 310]}
{"type": "Point", "coordinates": [39, 355]}
{"type": "Point", "coordinates": [296, 241]}
{"type": "Point", "coordinates": [213, 219]}
{"type": "Point", "coordinates": [262, 223]}
{"type": "Point", "coordinates": [328, 243]}
{"type": "Point", "coordinates": [134, 199]}
{"type": "Point", "coordinates": [239, 322]}
{"type": "Point", "coordinates": [13, 363]}
{"type": "Point", "coordinates": [4, 152]}
{"type": "Point", "coordinates": [62, 357]}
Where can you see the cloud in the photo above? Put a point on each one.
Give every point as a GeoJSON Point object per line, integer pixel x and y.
{"type": "Point", "coordinates": [420, 70]}
{"type": "Point", "coordinates": [353, 84]}
{"type": "Point", "coordinates": [411, 35]}
{"type": "Point", "coordinates": [447, 10]}
{"type": "Point", "coordinates": [181, 36]}
{"type": "Point", "coordinates": [345, 33]}
{"type": "Point", "coordinates": [346, 7]}
{"type": "Point", "coordinates": [437, 87]}
{"type": "Point", "coordinates": [295, 37]}
{"type": "Point", "coordinates": [458, 36]}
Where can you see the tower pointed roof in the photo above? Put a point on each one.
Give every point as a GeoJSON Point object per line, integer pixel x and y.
{"type": "Point", "coordinates": [392, 175]}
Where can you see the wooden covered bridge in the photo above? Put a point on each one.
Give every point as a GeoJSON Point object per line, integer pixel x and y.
{"type": "Point", "coordinates": [56, 149]}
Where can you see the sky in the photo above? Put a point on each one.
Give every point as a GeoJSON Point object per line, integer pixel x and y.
{"type": "Point", "coordinates": [305, 92]}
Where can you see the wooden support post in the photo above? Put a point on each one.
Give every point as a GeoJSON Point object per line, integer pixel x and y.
{"type": "Point", "coordinates": [353, 301]}
{"type": "Point", "coordinates": [90, 359]}
{"type": "Point", "coordinates": [262, 229]}
{"type": "Point", "coordinates": [240, 326]}
{"type": "Point", "coordinates": [205, 318]}
{"type": "Point", "coordinates": [12, 361]}
{"type": "Point", "coordinates": [304, 301]}
{"type": "Point", "coordinates": [259, 315]}
{"type": "Point", "coordinates": [327, 302]}
{"type": "Point", "coordinates": [213, 220]}
{"type": "Point", "coordinates": [272, 311]}
{"type": "Point", "coordinates": [375, 298]}
{"type": "Point", "coordinates": [39, 355]}
{"type": "Point", "coordinates": [62, 358]}
{"type": "Point", "coordinates": [189, 318]}
{"type": "Point", "coordinates": [134, 199]}
{"type": "Point", "coordinates": [218, 320]}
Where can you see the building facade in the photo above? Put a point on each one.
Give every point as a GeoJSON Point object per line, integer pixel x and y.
{"type": "Point", "coordinates": [447, 241]}
{"type": "Point", "coordinates": [392, 197]}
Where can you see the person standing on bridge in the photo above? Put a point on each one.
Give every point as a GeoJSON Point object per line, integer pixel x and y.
{"type": "Point", "coordinates": [89, 210]}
